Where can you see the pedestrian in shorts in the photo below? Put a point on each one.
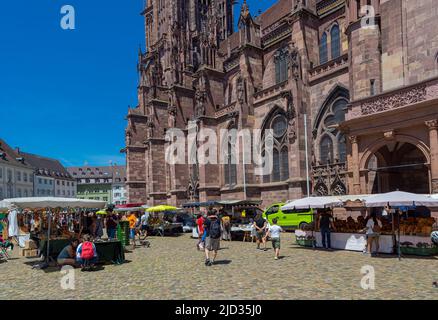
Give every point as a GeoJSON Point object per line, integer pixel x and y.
{"type": "Point", "coordinates": [212, 231]}
{"type": "Point", "coordinates": [260, 228]}
{"type": "Point", "coordinates": [274, 233]}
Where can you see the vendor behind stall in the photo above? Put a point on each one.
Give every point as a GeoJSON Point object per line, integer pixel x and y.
{"type": "Point", "coordinates": [111, 224]}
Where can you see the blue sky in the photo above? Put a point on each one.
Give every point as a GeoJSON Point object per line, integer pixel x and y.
{"type": "Point", "coordinates": [65, 93]}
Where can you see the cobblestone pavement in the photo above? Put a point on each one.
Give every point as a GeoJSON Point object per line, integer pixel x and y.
{"type": "Point", "coordinates": [173, 269]}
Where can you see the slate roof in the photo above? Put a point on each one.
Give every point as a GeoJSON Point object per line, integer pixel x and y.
{"type": "Point", "coordinates": [46, 166]}
{"type": "Point", "coordinates": [10, 157]}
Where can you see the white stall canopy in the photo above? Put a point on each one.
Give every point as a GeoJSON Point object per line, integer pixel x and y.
{"type": "Point", "coordinates": [52, 202]}
{"type": "Point", "coordinates": [312, 203]}
{"type": "Point", "coordinates": [400, 199]}
{"type": "Point", "coordinates": [4, 205]}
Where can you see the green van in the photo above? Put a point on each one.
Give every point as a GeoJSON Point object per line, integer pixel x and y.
{"type": "Point", "coordinates": [290, 219]}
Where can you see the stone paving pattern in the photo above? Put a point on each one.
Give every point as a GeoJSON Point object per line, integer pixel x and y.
{"type": "Point", "coordinates": [172, 268]}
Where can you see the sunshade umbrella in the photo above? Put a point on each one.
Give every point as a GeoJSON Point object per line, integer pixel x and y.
{"type": "Point", "coordinates": [312, 203]}
{"type": "Point", "coordinates": [162, 208]}
{"type": "Point", "coordinates": [400, 199]}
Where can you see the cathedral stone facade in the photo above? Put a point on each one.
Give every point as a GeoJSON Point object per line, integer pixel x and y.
{"type": "Point", "coordinates": [365, 78]}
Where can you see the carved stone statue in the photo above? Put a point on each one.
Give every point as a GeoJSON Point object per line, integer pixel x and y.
{"type": "Point", "coordinates": [200, 103]}
{"type": "Point", "coordinates": [150, 129]}
{"type": "Point", "coordinates": [240, 90]}
{"type": "Point", "coordinates": [291, 115]}
{"type": "Point", "coordinates": [294, 61]}
{"type": "Point", "coordinates": [128, 137]}
{"type": "Point", "coordinates": [202, 83]}
{"type": "Point", "coordinates": [171, 109]}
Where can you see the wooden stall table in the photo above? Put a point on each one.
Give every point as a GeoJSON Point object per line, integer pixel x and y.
{"type": "Point", "coordinates": [245, 231]}
{"type": "Point", "coordinates": [167, 228]}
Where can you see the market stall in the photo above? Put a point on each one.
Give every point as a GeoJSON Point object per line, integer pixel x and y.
{"type": "Point", "coordinates": [161, 220]}
{"type": "Point", "coordinates": [347, 235]}
{"type": "Point", "coordinates": [242, 214]}
{"type": "Point", "coordinates": [48, 209]}
{"type": "Point", "coordinates": [195, 208]}
{"type": "Point", "coordinates": [407, 222]}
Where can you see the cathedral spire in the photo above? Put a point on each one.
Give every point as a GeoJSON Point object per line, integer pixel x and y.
{"type": "Point", "coordinates": [244, 11]}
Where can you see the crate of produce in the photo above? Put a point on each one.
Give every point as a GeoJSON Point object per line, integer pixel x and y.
{"type": "Point", "coordinates": [30, 253]}
{"type": "Point", "coordinates": [419, 251]}
{"type": "Point", "coordinates": [30, 244]}
{"type": "Point", "coordinates": [305, 242]}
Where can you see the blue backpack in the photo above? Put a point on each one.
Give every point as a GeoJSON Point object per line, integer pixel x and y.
{"type": "Point", "coordinates": [215, 229]}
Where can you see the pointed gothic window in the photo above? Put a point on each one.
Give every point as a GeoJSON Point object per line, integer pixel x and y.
{"type": "Point", "coordinates": [335, 42]}
{"type": "Point", "coordinates": [323, 58]}
{"type": "Point", "coordinates": [284, 164]}
{"type": "Point", "coordinates": [332, 143]}
{"type": "Point", "coordinates": [326, 150]}
{"type": "Point", "coordinates": [280, 59]}
{"type": "Point", "coordinates": [230, 167]}
{"type": "Point", "coordinates": [280, 155]}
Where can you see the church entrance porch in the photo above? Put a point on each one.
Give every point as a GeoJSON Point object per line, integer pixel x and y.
{"type": "Point", "coordinates": [398, 166]}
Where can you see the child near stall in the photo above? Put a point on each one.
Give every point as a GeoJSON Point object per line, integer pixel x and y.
{"type": "Point", "coordinates": [274, 233]}
{"type": "Point", "coordinates": [86, 253]}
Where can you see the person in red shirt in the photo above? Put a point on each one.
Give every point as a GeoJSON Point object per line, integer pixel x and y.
{"type": "Point", "coordinates": [200, 223]}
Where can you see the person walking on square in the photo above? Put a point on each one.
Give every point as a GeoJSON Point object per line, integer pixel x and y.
{"type": "Point", "coordinates": [274, 232]}
{"type": "Point", "coordinates": [212, 230]}
{"type": "Point", "coordinates": [226, 226]}
{"type": "Point", "coordinates": [260, 228]}
{"type": "Point", "coordinates": [132, 225]}
{"type": "Point", "coordinates": [325, 222]}
{"type": "Point", "coordinates": [144, 220]}
{"type": "Point", "coordinates": [200, 225]}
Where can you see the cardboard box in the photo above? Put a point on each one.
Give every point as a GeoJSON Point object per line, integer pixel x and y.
{"type": "Point", "coordinates": [30, 244]}
{"type": "Point", "coordinates": [30, 253]}
{"type": "Point", "coordinates": [21, 252]}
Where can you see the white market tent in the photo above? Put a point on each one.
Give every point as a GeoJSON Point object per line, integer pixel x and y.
{"type": "Point", "coordinates": [400, 199]}
{"type": "Point", "coordinates": [53, 203]}
{"type": "Point", "coordinates": [313, 203]}
{"type": "Point", "coordinates": [4, 205]}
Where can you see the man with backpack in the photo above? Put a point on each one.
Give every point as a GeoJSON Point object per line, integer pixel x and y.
{"type": "Point", "coordinates": [86, 253]}
{"type": "Point", "coordinates": [212, 229]}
